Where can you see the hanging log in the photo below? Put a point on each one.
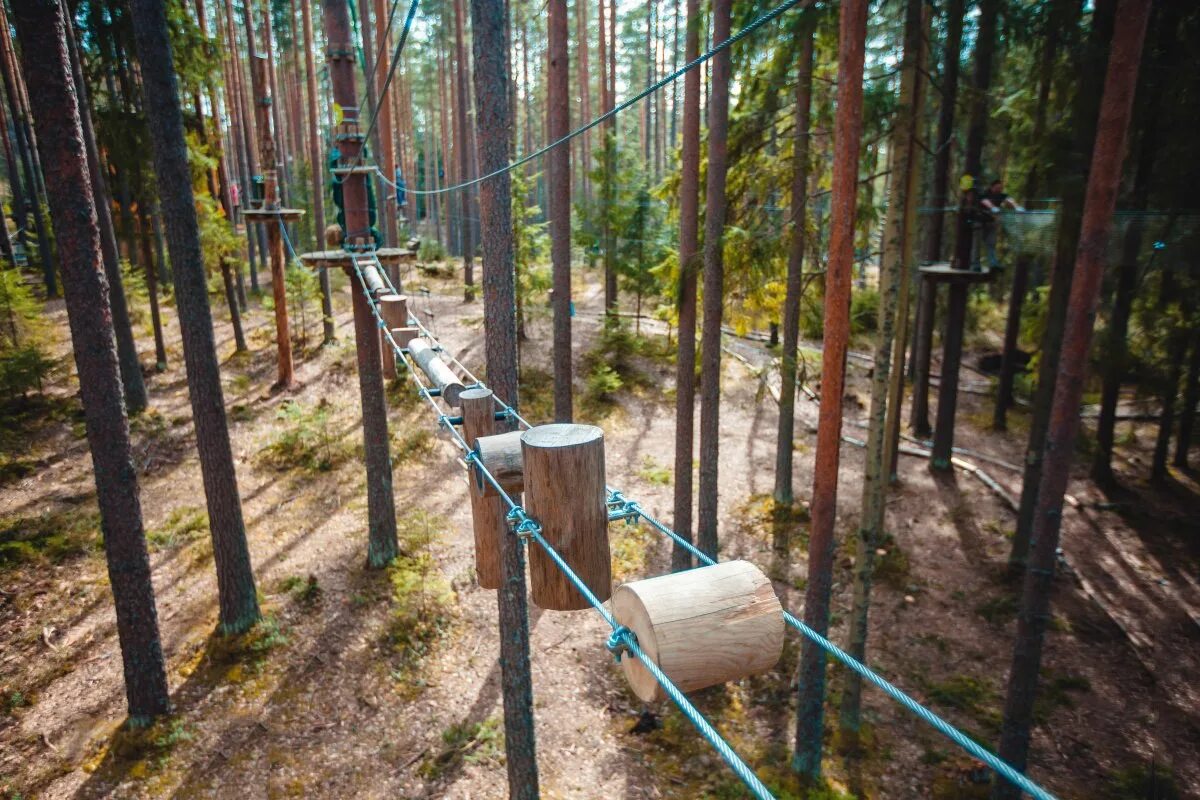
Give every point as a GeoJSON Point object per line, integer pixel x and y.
{"type": "Point", "coordinates": [438, 371]}
{"type": "Point", "coordinates": [489, 514]}
{"type": "Point", "coordinates": [501, 457]}
{"type": "Point", "coordinates": [564, 485]}
{"type": "Point", "coordinates": [702, 627]}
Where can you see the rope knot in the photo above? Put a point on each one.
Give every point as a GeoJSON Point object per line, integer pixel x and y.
{"type": "Point", "coordinates": [618, 642]}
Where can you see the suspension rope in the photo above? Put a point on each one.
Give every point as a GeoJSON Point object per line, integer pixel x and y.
{"type": "Point", "coordinates": [769, 16]}
{"type": "Point", "coordinates": [622, 639]}
{"type": "Point", "coordinates": [527, 529]}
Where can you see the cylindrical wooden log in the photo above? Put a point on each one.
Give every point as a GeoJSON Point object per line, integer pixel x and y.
{"type": "Point", "coordinates": [564, 492]}
{"type": "Point", "coordinates": [373, 280]}
{"type": "Point", "coordinates": [702, 627]}
{"type": "Point", "coordinates": [501, 456]}
{"type": "Point", "coordinates": [394, 310]}
{"type": "Point", "coordinates": [489, 514]}
{"type": "Point", "coordinates": [438, 371]}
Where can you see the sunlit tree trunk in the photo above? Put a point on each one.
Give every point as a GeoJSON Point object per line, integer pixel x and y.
{"type": "Point", "coordinates": [715, 204]}
{"type": "Point", "coordinates": [558, 172]}
{"type": "Point", "coordinates": [1104, 178]}
{"type": "Point", "coordinates": [41, 27]}
{"type": "Point", "coordinates": [847, 138]}
{"type": "Point", "coordinates": [235, 579]}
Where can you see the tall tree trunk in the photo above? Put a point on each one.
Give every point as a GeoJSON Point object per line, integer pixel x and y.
{"type": "Point", "coordinates": [491, 47]}
{"type": "Point", "coordinates": [316, 165]}
{"type": "Point", "coordinates": [1103, 181]}
{"type": "Point", "coordinates": [386, 131]}
{"type": "Point", "coordinates": [1177, 344]}
{"type": "Point", "coordinates": [985, 50]}
{"type": "Point", "coordinates": [461, 70]}
{"type": "Point", "coordinates": [558, 169]}
{"type": "Point", "coordinates": [14, 182]}
{"type": "Point", "coordinates": [784, 493]}
{"type": "Point", "coordinates": [585, 98]}
{"type": "Point", "coordinates": [21, 128]}
{"type": "Point", "coordinates": [715, 205]}
{"type": "Point", "coordinates": [382, 545]}
{"type": "Point", "coordinates": [41, 26]}
{"type": "Point", "coordinates": [1116, 348]}
{"type": "Point", "coordinates": [235, 579]}
{"type": "Point", "coordinates": [847, 138]}
{"type": "Point", "coordinates": [1083, 126]}
{"type": "Point", "coordinates": [609, 129]}
{"type": "Point", "coordinates": [689, 234]}
{"type": "Point", "coordinates": [249, 136]}
{"type": "Point", "coordinates": [150, 272]}
{"type": "Point", "coordinates": [926, 301]}
{"type": "Point", "coordinates": [891, 278]}
{"type": "Point", "coordinates": [127, 355]}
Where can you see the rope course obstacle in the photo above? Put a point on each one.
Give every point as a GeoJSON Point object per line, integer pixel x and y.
{"type": "Point", "coordinates": [664, 671]}
{"type": "Point", "coordinates": [560, 468]}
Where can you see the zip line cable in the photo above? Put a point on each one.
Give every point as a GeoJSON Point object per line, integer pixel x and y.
{"type": "Point", "coordinates": [769, 16]}
{"type": "Point", "coordinates": [408, 20]}
{"type": "Point", "coordinates": [622, 639]}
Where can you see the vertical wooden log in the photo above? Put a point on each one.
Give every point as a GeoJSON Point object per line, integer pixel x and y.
{"type": "Point", "coordinates": [564, 486]}
{"type": "Point", "coordinates": [394, 310]}
{"type": "Point", "coordinates": [489, 514]}
{"type": "Point", "coordinates": [381, 507]}
{"type": "Point", "coordinates": [943, 433]}
{"type": "Point", "coordinates": [316, 166]}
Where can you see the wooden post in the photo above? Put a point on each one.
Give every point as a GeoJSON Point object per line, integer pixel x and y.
{"type": "Point", "coordinates": [381, 507]}
{"type": "Point", "coordinates": [438, 371]}
{"type": "Point", "coordinates": [501, 457]}
{"type": "Point", "coordinates": [489, 512]}
{"type": "Point", "coordinates": [702, 627]}
{"type": "Point", "coordinates": [564, 484]}
{"type": "Point", "coordinates": [262, 106]}
{"type": "Point", "coordinates": [394, 310]}
{"type": "Point", "coordinates": [922, 349]}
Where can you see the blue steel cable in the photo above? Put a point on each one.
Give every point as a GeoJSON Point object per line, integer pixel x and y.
{"type": "Point", "coordinates": [769, 16]}
{"type": "Point", "coordinates": [526, 526]}
{"type": "Point", "coordinates": [628, 641]}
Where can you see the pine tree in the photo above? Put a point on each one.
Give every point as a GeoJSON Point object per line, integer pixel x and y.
{"type": "Point", "coordinates": [235, 579]}
{"type": "Point", "coordinates": [41, 26]}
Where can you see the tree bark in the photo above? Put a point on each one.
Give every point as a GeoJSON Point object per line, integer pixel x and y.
{"type": "Point", "coordinates": [316, 165]}
{"type": "Point", "coordinates": [558, 173]}
{"type": "Point", "coordinates": [892, 279]}
{"type": "Point", "coordinates": [25, 144]}
{"type": "Point", "coordinates": [1083, 125]}
{"type": "Point", "coordinates": [922, 349]}
{"type": "Point", "coordinates": [461, 70]}
{"type": "Point", "coordinates": [1191, 396]}
{"type": "Point", "coordinates": [714, 286]}
{"type": "Point", "coordinates": [127, 355]}
{"type": "Point", "coordinates": [150, 272]}
{"type": "Point", "coordinates": [382, 546]}
{"type": "Point", "coordinates": [689, 221]}
{"type": "Point", "coordinates": [235, 578]}
{"type": "Point", "coordinates": [847, 138]}
{"type": "Point", "coordinates": [784, 494]}
{"type": "Point", "coordinates": [42, 28]}
{"type": "Point", "coordinates": [1101, 194]}
{"type": "Point", "coordinates": [985, 50]}
{"type": "Point", "coordinates": [1116, 348]}
{"type": "Point", "coordinates": [491, 47]}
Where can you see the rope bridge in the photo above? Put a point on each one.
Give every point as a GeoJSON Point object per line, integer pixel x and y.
{"type": "Point", "coordinates": [622, 640]}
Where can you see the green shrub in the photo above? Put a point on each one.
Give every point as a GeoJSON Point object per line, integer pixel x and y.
{"type": "Point", "coordinates": [603, 382]}
{"type": "Point", "coordinates": [864, 311]}
{"type": "Point", "coordinates": [305, 439]}
{"type": "Point", "coordinates": [23, 338]}
{"type": "Point", "coordinates": [422, 599]}
{"type": "Point", "coordinates": [431, 250]}
{"type": "Point", "coordinates": [50, 537]}
{"type": "Point", "coordinates": [181, 525]}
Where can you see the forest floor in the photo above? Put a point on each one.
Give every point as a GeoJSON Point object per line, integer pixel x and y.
{"type": "Point", "coordinates": [386, 683]}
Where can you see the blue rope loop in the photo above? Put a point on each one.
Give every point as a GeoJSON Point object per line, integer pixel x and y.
{"type": "Point", "coordinates": [618, 642]}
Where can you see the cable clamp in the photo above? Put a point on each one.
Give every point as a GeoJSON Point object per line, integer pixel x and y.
{"type": "Point", "coordinates": [618, 642]}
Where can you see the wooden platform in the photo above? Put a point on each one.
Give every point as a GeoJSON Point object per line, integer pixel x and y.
{"type": "Point", "coordinates": [266, 214]}
{"type": "Point", "coordinates": [340, 259]}
{"type": "Point", "coordinates": [942, 272]}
